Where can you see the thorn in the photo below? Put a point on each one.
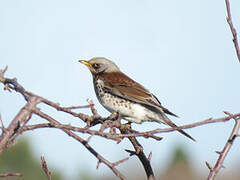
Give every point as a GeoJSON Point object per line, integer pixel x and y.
{"type": "Point", "coordinates": [89, 138]}
{"type": "Point", "coordinates": [4, 130]}
{"type": "Point", "coordinates": [120, 161]}
{"type": "Point", "coordinates": [98, 164]}
{"type": "Point", "coordinates": [208, 165]}
{"type": "Point", "coordinates": [222, 166]}
{"type": "Point", "coordinates": [5, 69]}
{"type": "Point", "coordinates": [1, 122]}
{"type": "Point", "coordinates": [42, 157]}
{"type": "Point", "coordinates": [226, 112]}
{"type": "Point", "coordinates": [218, 152]}
{"type": "Point", "coordinates": [150, 156]}
{"type": "Point", "coordinates": [131, 153]}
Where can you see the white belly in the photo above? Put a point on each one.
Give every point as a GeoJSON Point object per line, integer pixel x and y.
{"type": "Point", "coordinates": [129, 111]}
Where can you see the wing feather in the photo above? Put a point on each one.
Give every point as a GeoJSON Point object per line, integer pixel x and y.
{"type": "Point", "coordinates": [121, 85]}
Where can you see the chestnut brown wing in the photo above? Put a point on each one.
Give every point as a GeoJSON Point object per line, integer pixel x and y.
{"type": "Point", "coordinates": [121, 85]}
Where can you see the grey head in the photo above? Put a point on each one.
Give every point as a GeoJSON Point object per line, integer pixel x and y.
{"type": "Point", "coordinates": [100, 64]}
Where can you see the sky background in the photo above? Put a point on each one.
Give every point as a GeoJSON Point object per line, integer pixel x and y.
{"type": "Point", "coordinates": [182, 51]}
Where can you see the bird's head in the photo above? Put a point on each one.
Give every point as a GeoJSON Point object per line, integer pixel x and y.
{"type": "Point", "coordinates": [100, 65]}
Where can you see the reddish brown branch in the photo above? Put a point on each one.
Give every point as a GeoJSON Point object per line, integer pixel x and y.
{"type": "Point", "coordinates": [78, 107]}
{"type": "Point", "coordinates": [226, 149]}
{"type": "Point", "coordinates": [5, 138]}
{"type": "Point", "coordinates": [196, 124]}
{"type": "Point", "coordinates": [69, 127]}
{"type": "Point", "coordinates": [141, 156]}
{"type": "Point", "coordinates": [120, 161]}
{"type": "Point", "coordinates": [13, 129]}
{"type": "Point", "coordinates": [10, 174]}
{"type": "Point", "coordinates": [83, 142]}
{"type": "Point", "coordinates": [45, 168]}
{"type": "Point", "coordinates": [19, 125]}
{"type": "Point", "coordinates": [233, 30]}
{"type": "Point", "coordinates": [2, 125]}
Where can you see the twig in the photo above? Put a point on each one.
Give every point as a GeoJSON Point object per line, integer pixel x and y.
{"type": "Point", "coordinates": [141, 156]}
{"type": "Point", "coordinates": [30, 107]}
{"type": "Point", "coordinates": [12, 82]}
{"type": "Point", "coordinates": [15, 124]}
{"type": "Point", "coordinates": [16, 85]}
{"type": "Point", "coordinates": [83, 142]}
{"type": "Point", "coordinates": [224, 152]}
{"type": "Point", "coordinates": [10, 174]}
{"type": "Point", "coordinates": [19, 125]}
{"type": "Point", "coordinates": [150, 156]}
{"type": "Point", "coordinates": [45, 168]}
{"type": "Point", "coordinates": [196, 124]}
{"type": "Point", "coordinates": [233, 30]}
{"type": "Point", "coordinates": [120, 161]}
{"type": "Point", "coordinates": [2, 126]}
{"type": "Point", "coordinates": [2, 72]}
{"type": "Point", "coordinates": [94, 111]}
{"type": "Point", "coordinates": [78, 107]}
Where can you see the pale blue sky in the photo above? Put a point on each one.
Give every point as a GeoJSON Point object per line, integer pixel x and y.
{"type": "Point", "coordinates": [182, 51]}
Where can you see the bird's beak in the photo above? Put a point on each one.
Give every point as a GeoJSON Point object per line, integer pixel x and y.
{"type": "Point", "coordinates": [85, 63]}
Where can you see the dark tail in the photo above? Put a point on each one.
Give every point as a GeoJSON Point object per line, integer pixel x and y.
{"type": "Point", "coordinates": [181, 131]}
{"type": "Point", "coordinates": [170, 123]}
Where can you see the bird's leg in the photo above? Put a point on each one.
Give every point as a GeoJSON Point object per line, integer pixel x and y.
{"type": "Point", "coordinates": [114, 116]}
{"type": "Point", "coordinates": [94, 120]}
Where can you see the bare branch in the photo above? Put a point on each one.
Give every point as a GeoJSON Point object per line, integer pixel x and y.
{"type": "Point", "coordinates": [5, 138]}
{"type": "Point", "coordinates": [94, 111]}
{"type": "Point", "coordinates": [83, 142]}
{"type": "Point", "coordinates": [188, 126]}
{"type": "Point", "coordinates": [45, 168]}
{"type": "Point", "coordinates": [19, 125]}
{"type": "Point", "coordinates": [78, 107]}
{"type": "Point", "coordinates": [141, 156]}
{"type": "Point", "coordinates": [150, 156]}
{"type": "Point", "coordinates": [10, 174]}
{"type": "Point", "coordinates": [32, 100]}
{"type": "Point", "coordinates": [226, 149]}
{"type": "Point", "coordinates": [2, 125]}
{"type": "Point", "coordinates": [233, 30]}
{"type": "Point", "coordinates": [120, 161]}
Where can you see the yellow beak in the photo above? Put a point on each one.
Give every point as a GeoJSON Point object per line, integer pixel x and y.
{"type": "Point", "coordinates": [85, 63]}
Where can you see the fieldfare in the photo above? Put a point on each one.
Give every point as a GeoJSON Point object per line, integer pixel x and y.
{"type": "Point", "coordinates": [119, 93]}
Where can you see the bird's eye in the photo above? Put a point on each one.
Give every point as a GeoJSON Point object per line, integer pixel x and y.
{"type": "Point", "coordinates": [96, 66]}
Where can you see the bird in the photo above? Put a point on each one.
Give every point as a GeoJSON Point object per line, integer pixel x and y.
{"type": "Point", "coordinates": [117, 92]}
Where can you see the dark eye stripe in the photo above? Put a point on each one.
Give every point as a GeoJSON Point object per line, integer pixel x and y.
{"type": "Point", "coordinates": [96, 66]}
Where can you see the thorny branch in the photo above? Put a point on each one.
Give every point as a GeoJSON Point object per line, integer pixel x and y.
{"type": "Point", "coordinates": [226, 149]}
{"type": "Point", "coordinates": [233, 30]}
{"type": "Point", "coordinates": [19, 125]}
{"type": "Point", "coordinates": [10, 133]}
{"type": "Point", "coordinates": [45, 168]}
{"type": "Point", "coordinates": [10, 174]}
{"type": "Point", "coordinates": [235, 131]}
{"type": "Point", "coordinates": [141, 156]}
